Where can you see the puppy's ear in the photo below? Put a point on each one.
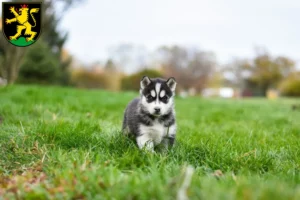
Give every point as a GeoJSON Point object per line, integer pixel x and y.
{"type": "Point", "coordinates": [171, 83]}
{"type": "Point", "coordinates": [145, 82]}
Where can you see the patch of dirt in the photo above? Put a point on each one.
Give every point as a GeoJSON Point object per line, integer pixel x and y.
{"type": "Point", "coordinates": [30, 181]}
{"type": "Point", "coordinates": [32, 176]}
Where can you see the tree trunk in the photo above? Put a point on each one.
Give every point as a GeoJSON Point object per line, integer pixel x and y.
{"type": "Point", "coordinates": [11, 63]}
{"type": "Point", "coordinates": [265, 88]}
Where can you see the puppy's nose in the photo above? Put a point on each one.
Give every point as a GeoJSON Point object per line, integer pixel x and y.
{"type": "Point", "coordinates": [157, 110]}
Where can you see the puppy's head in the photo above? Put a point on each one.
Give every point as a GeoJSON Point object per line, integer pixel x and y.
{"type": "Point", "coordinates": [157, 95]}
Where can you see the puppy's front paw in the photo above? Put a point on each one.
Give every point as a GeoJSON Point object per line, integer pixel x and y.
{"type": "Point", "coordinates": [145, 144]}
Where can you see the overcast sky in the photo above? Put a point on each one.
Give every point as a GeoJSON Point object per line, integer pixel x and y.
{"type": "Point", "coordinates": [227, 27]}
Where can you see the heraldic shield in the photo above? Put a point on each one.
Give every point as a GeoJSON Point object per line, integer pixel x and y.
{"type": "Point", "coordinates": [21, 22]}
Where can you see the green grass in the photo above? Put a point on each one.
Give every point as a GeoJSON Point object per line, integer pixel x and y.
{"type": "Point", "coordinates": [62, 143]}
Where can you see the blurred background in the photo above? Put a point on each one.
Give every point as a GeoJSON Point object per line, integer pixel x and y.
{"type": "Point", "coordinates": [213, 48]}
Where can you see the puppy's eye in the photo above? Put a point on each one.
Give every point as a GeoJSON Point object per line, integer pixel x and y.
{"type": "Point", "coordinates": [149, 97]}
{"type": "Point", "coordinates": [164, 98]}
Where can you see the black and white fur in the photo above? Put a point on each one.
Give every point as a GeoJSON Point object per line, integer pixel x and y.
{"type": "Point", "coordinates": [150, 118]}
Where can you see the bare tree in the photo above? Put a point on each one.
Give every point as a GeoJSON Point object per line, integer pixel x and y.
{"type": "Point", "coordinates": [236, 72]}
{"type": "Point", "coordinates": [129, 58]}
{"type": "Point", "coordinates": [190, 67]}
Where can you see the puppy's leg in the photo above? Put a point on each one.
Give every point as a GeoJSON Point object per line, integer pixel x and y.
{"type": "Point", "coordinates": [169, 140]}
{"type": "Point", "coordinates": [168, 143]}
{"type": "Point", "coordinates": [124, 125]}
{"type": "Point", "coordinates": [125, 131]}
{"type": "Point", "coordinates": [144, 142]}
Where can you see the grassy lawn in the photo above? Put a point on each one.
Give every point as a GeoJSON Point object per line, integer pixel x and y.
{"type": "Point", "coordinates": [62, 143]}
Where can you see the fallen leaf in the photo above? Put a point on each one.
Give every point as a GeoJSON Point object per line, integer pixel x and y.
{"type": "Point", "coordinates": [218, 173]}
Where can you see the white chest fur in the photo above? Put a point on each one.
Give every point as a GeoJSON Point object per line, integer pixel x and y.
{"type": "Point", "coordinates": [155, 133]}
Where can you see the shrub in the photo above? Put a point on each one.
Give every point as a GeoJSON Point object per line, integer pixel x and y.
{"type": "Point", "coordinates": [85, 78]}
{"type": "Point", "coordinates": [291, 85]}
{"type": "Point", "coordinates": [132, 82]}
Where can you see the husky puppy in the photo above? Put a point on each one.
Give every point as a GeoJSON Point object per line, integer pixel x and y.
{"type": "Point", "coordinates": [150, 118]}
